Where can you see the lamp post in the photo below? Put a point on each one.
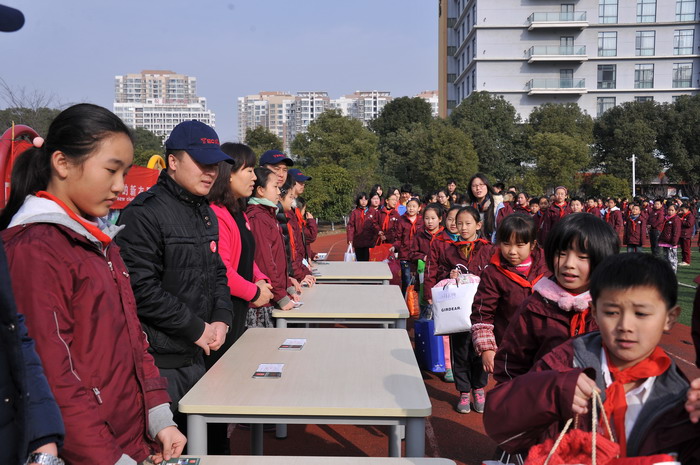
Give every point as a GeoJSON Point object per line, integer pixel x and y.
{"type": "Point", "coordinates": [634, 176]}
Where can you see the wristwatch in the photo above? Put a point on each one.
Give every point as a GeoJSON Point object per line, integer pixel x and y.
{"type": "Point", "coordinates": [44, 459]}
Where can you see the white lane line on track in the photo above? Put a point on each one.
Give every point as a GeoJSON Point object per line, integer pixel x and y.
{"type": "Point", "coordinates": [431, 440]}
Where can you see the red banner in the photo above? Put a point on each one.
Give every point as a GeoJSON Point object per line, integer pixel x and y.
{"type": "Point", "coordinates": [138, 180]}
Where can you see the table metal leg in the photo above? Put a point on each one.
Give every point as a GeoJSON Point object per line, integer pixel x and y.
{"type": "Point", "coordinates": [281, 323]}
{"type": "Point", "coordinates": [385, 325]}
{"type": "Point", "coordinates": [394, 441]}
{"type": "Point", "coordinates": [415, 437]}
{"type": "Point", "coordinates": [385, 282]}
{"type": "Point", "coordinates": [281, 432]}
{"type": "Point", "coordinates": [400, 323]}
{"type": "Point", "coordinates": [256, 439]}
{"type": "Point", "coordinates": [196, 435]}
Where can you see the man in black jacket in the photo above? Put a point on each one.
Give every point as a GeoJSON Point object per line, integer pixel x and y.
{"type": "Point", "coordinates": [170, 246]}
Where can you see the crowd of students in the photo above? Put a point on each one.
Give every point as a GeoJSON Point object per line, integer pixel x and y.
{"type": "Point", "coordinates": [126, 318]}
{"type": "Point", "coordinates": [558, 314]}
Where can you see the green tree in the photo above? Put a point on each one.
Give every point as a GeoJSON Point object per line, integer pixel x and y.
{"type": "Point", "coordinates": [494, 128]}
{"type": "Point", "coordinates": [38, 119]}
{"type": "Point", "coordinates": [680, 142]}
{"type": "Point", "coordinates": [627, 129]}
{"type": "Point", "coordinates": [146, 144]}
{"type": "Point", "coordinates": [401, 113]}
{"type": "Point", "coordinates": [607, 185]}
{"type": "Point", "coordinates": [334, 139]}
{"type": "Point", "coordinates": [330, 192]}
{"type": "Point", "coordinates": [427, 156]}
{"type": "Point", "coordinates": [563, 118]}
{"type": "Point", "coordinates": [262, 139]}
{"type": "Point", "coordinates": [559, 159]}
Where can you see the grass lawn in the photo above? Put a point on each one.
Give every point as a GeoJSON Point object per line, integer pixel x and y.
{"type": "Point", "coordinates": [686, 285]}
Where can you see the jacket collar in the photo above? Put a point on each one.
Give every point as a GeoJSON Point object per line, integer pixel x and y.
{"type": "Point", "coordinates": [179, 192]}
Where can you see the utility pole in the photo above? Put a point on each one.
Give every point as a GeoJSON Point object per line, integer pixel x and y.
{"type": "Point", "coordinates": [634, 176]}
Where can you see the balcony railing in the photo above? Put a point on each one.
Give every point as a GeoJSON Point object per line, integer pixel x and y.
{"type": "Point", "coordinates": [557, 53]}
{"type": "Point", "coordinates": [558, 19]}
{"type": "Point", "coordinates": [556, 86]}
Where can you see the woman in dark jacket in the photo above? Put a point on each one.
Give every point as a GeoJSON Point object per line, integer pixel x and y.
{"type": "Point", "coordinates": [480, 197]}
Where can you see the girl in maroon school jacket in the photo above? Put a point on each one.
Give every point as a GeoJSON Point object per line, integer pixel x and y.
{"type": "Point", "coordinates": [554, 213]}
{"type": "Point", "coordinates": [515, 267]}
{"type": "Point", "coordinates": [435, 268]}
{"type": "Point", "coordinates": [614, 217]}
{"type": "Point", "coordinates": [558, 308]}
{"type": "Point", "coordinates": [363, 227]}
{"type": "Point", "coordinates": [635, 229]}
{"type": "Point", "coordinates": [433, 215]}
{"type": "Point", "coordinates": [408, 225]}
{"type": "Point", "coordinates": [389, 219]}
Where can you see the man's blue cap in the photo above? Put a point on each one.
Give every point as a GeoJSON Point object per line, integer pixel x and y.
{"type": "Point", "coordinates": [11, 20]}
{"type": "Point", "coordinates": [298, 175]}
{"type": "Point", "coordinates": [199, 140]}
{"type": "Point", "coordinates": [272, 157]}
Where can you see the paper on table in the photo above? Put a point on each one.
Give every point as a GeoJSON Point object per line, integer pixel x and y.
{"type": "Point", "coordinates": [293, 344]}
{"type": "Point", "coordinates": [269, 370]}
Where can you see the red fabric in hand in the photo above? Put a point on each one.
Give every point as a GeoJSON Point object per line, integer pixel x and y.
{"type": "Point", "coordinates": [576, 447]}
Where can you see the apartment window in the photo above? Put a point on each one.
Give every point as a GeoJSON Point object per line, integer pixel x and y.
{"type": "Point", "coordinates": [469, 54]}
{"type": "Point", "coordinates": [607, 11]}
{"type": "Point", "coordinates": [685, 10]}
{"type": "Point", "coordinates": [474, 80]}
{"type": "Point", "coordinates": [644, 76]}
{"type": "Point", "coordinates": [644, 98]}
{"type": "Point", "coordinates": [459, 93]}
{"type": "Point", "coordinates": [683, 41]}
{"type": "Point", "coordinates": [474, 47]}
{"type": "Point", "coordinates": [646, 11]}
{"type": "Point", "coordinates": [474, 15]}
{"type": "Point", "coordinates": [566, 78]}
{"type": "Point", "coordinates": [682, 74]}
{"type": "Point", "coordinates": [607, 76]}
{"type": "Point", "coordinates": [604, 104]}
{"type": "Point", "coordinates": [459, 65]}
{"type": "Point", "coordinates": [645, 43]}
{"type": "Point", "coordinates": [566, 45]}
{"type": "Point", "coordinates": [607, 44]}
{"type": "Point", "coordinates": [468, 22]}
{"type": "Point", "coordinates": [567, 11]}
{"type": "Point", "coordinates": [468, 84]}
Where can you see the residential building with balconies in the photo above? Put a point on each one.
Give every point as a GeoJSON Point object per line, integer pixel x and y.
{"type": "Point", "coordinates": [596, 53]}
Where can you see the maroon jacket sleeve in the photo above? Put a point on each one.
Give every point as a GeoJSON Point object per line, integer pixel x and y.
{"type": "Point", "coordinates": [516, 355]}
{"type": "Point", "coordinates": [351, 225]}
{"type": "Point", "coordinates": [311, 230]}
{"type": "Point", "coordinates": [265, 238]}
{"type": "Point", "coordinates": [676, 231]}
{"type": "Point", "coordinates": [432, 269]}
{"type": "Point", "coordinates": [521, 411]}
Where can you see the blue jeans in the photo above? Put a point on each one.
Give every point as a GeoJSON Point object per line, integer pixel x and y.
{"type": "Point", "coordinates": [406, 277]}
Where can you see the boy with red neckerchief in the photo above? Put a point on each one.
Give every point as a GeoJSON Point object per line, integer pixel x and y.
{"type": "Point", "coordinates": [687, 227]}
{"type": "Point", "coordinates": [556, 211]}
{"type": "Point", "coordinates": [644, 392]}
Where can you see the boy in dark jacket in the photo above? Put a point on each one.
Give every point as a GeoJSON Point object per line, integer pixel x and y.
{"type": "Point", "coordinates": [687, 229]}
{"type": "Point", "coordinates": [635, 229]}
{"type": "Point", "coordinates": [656, 224]}
{"type": "Point", "coordinates": [169, 245]}
{"type": "Point", "coordinates": [644, 392]}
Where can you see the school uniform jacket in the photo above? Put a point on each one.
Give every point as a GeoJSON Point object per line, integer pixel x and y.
{"type": "Point", "coordinates": [363, 227]}
{"type": "Point", "coordinates": [520, 209]}
{"type": "Point", "coordinates": [477, 261]}
{"type": "Point", "coordinates": [546, 394]}
{"type": "Point", "coordinates": [298, 253]}
{"type": "Point", "coordinates": [388, 221]}
{"type": "Point", "coordinates": [595, 211]}
{"type": "Point", "coordinates": [503, 212]}
{"type": "Point", "coordinates": [436, 268]}
{"type": "Point", "coordinates": [551, 217]}
{"type": "Point", "coordinates": [310, 230]}
{"type": "Point", "coordinates": [269, 251]}
{"type": "Point", "coordinates": [656, 219]}
{"type": "Point", "coordinates": [687, 225]}
{"type": "Point", "coordinates": [420, 246]}
{"type": "Point", "coordinates": [501, 291]}
{"type": "Point", "coordinates": [81, 312]}
{"type": "Point", "coordinates": [538, 326]}
{"type": "Point", "coordinates": [635, 230]}
{"type": "Point", "coordinates": [405, 231]}
{"type": "Point", "coordinates": [614, 219]}
{"type": "Point", "coordinates": [671, 233]}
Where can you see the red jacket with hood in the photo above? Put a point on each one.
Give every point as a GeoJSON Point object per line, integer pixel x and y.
{"type": "Point", "coordinates": [363, 227]}
{"type": "Point", "coordinates": [663, 425]}
{"type": "Point", "coordinates": [671, 232]}
{"type": "Point", "coordinates": [539, 325]}
{"type": "Point", "coordinates": [614, 218]}
{"type": "Point", "coordinates": [269, 251]}
{"type": "Point", "coordinates": [501, 291]}
{"type": "Point", "coordinates": [81, 312]}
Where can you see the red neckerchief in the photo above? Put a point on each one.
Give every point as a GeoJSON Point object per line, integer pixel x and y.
{"type": "Point", "coordinates": [412, 232]}
{"type": "Point", "coordinates": [91, 228]}
{"type": "Point", "coordinates": [302, 221]}
{"type": "Point", "coordinates": [607, 215]}
{"type": "Point", "coordinates": [467, 247]}
{"type": "Point", "coordinates": [615, 401]}
{"type": "Point", "coordinates": [435, 234]}
{"type": "Point", "coordinates": [562, 209]}
{"type": "Point", "coordinates": [292, 242]}
{"type": "Point", "coordinates": [578, 323]}
{"type": "Point", "coordinates": [387, 218]}
{"type": "Point", "coordinates": [634, 223]}
{"type": "Point", "coordinates": [683, 216]}
{"type": "Point", "coordinates": [526, 208]}
{"type": "Point", "coordinates": [513, 276]}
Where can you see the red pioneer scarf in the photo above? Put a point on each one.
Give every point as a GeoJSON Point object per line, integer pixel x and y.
{"type": "Point", "coordinates": [615, 401]}
{"type": "Point", "coordinates": [515, 277]}
{"type": "Point", "coordinates": [91, 228]}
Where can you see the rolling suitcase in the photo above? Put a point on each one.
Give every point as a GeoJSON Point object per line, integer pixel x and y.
{"type": "Point", "coordinates": [430, 351]}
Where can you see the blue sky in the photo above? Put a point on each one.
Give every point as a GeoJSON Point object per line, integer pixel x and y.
{"type": "Point", "coordinates": [74, 48]}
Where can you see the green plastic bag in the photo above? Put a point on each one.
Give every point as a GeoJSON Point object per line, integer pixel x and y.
{"type": "Point", "coordinates": [421, 276]}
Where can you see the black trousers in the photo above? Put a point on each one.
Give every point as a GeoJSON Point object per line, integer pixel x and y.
{"type": "Point", "coordinates": [362, 254]}
{"type": "Point", "coordinates": [467, 368]}
{"type": "Point", "coordinates": [654, 242]}
{"type": "Point", "coordinates": [181, 380]}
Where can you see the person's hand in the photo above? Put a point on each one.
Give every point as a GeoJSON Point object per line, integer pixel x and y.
{"type": "Point", "coordinates": [220, 330]}
{"type": "Point", "coordinates": [430, 301]}
{"type": "Point", "coordinates": [207, 337]}
{"type": "Point", "coordinates": [585, 387]}
{"type": "Point", "coordinates": [289, 306]}
{"type": "Point", "coordinates": [50, 448]}
{"type": "Point", "coordinates": [454, 274]}
{"type": "Point", "coordinates": [309, 280]}
{"type": "Point", "coordinates": [381, 235]}
{"type": "Point", "coordinates": [309, 215]}
{"type": "Point", "coordinates": [171, 441]}
{"type": "Point", "coordinates": [297, 286]}
{"type": "Point", "coordinates": [295, 297]}
{"type": "Point", "coordinates": [487, 358]}
{"type": "Point", "coordinates": [265, 293]}
{"type": "Point", "coordinates": [692, 405]}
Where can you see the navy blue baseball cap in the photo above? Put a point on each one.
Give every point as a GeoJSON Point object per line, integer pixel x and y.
{"type": "Point", "coordinates": [298, 175]}
{"type": "Point", "coordinates": [199, 140]}
{"type": "Point", "coordinates": [272, 157]}
{"type": "Point", "coordinates": [11, 20]}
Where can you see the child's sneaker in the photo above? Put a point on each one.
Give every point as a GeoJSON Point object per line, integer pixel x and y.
{"type": "Point", "coordinates": [463, 404]}
{"type": "Point", "coordinates": [449, 376]}
{"type": "Point", "coordinates": [684, 264]}
{"type": "Point", "coordinates": [479, 400]}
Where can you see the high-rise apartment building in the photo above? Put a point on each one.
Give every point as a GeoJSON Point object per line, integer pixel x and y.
{"type": "Point", "coordinates": [308, 106]}
{"type": "Point", "coordinates": [268, 109]}
{"type": "Point", "coordinates": [158, 100]}
{"type": "Point", "coordinates": [596, 53]}
{"type": "Point", "coordinates": [431, 96]}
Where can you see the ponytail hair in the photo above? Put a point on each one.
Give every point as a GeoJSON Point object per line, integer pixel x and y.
{"type": "Point", "coordinates": [76, 131]}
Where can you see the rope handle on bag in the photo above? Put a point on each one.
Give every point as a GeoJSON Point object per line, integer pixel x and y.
{"type": "Point", "coordinates": [597, 401]}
